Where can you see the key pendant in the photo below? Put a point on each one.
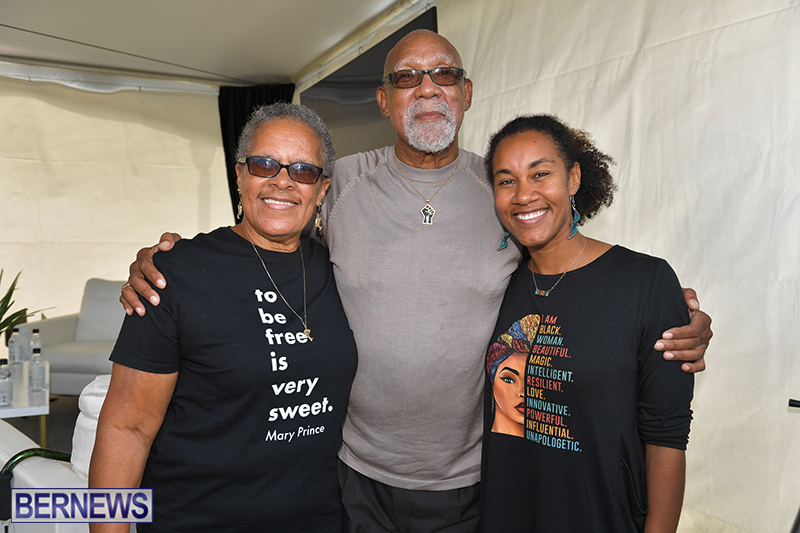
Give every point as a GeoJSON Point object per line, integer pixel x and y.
{"type": "Point", "coordinates": [307, 333]}
{"type": "Point", "coordinates": [427, 214]}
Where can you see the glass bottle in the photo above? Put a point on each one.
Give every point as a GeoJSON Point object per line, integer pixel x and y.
{"type": "Point", "coordinates": [36, 372]}
{"type": "Point", "coordinates": [36, 342]}
{"type": "Point", "coordinates": [15, 347]}
{"type": "Point", "coordinates": [6, 385]}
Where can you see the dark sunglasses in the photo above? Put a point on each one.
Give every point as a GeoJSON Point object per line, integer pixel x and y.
{"type": "Point", "coordinates": [266, 167]}
{"type": "Point", "coordinates": [408, 78]}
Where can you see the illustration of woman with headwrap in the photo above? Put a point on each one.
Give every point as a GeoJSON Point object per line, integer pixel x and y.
{"type": "Point", "coordinates": [505, 363]}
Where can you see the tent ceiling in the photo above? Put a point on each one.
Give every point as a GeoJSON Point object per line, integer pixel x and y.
{"type": "Point", "coordinates": [228, 43]}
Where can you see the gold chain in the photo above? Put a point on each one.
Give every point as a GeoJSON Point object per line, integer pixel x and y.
{"type": "Point", "coordinates": [547, 293]}
{"type": "Point", "coordinates": [304, 320]}
{"type": "Point", "coordinates": [427, 200]}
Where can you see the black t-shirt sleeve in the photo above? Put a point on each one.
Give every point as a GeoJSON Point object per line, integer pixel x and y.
{"type": "Point", "coordinates": [150, 343]}
{"type": "Point", "coordinates": [665, 391]}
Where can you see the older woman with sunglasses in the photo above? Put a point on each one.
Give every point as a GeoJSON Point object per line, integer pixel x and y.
{"type": "Point", "coordinates": [228, 398]}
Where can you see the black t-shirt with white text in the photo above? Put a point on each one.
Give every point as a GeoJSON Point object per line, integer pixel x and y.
{"type": "Point", "coordinates": [250, 439]}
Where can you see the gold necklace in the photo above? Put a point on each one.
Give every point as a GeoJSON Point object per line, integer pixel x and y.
{"type": "Point", "coordinates": [427, 211]}
{"type": "Point", "coordinates": [304, 320]}
{"type": "Point", "coordinates": [547, 293]}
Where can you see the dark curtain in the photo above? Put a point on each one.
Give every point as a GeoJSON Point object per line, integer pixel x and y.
{"type": "Point", "coordinates": [235, 106]}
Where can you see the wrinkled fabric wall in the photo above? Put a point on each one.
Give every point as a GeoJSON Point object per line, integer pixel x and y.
{"type": "Point", "coordinates": [697, 101]}
{"type": "Point", "coordinates": [699, 104]}
{"type": "Point", "coordinates": [86, 179]}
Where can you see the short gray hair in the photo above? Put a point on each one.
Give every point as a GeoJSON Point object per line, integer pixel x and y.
{"type": "Point", "coordinates": [298, 113]}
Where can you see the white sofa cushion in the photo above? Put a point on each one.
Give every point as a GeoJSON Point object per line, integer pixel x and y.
{"type": "Point", "coordinates": [90, 403]}
{"type": "Point", "coordinates": [101, 315]}
{"type": "Point", "coordinates": [87, 357]}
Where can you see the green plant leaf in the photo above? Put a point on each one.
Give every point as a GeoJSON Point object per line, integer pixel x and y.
{"type": "Point", "coordinates": [13, 318]}
{"type": "Point", "coordinates": [6, 303]}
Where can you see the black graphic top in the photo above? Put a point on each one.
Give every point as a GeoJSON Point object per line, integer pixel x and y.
{"type": "Point", "coordinates": [250, 439]}
{"type": "Point", "coordinates": [575, 390]}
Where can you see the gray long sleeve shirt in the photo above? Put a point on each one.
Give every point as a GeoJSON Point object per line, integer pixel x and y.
{"type": "Point", "coordinates": [422, 301]}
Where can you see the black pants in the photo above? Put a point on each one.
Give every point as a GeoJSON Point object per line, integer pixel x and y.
{"type": "Point", "coordinates": [372, 507]}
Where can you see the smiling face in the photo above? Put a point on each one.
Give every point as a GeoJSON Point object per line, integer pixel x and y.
{"type": "Point", "coordinates": [426, 118]}
{"type": "Point", "coordinates": [509, 395]}
{"type": "Point", "coordinates": [277, 209]}
{"type": "Point", "coordinates": [532, 186]}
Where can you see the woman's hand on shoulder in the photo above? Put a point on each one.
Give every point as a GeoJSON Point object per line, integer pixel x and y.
{"type": "Point", "coordinates": [144, 269]}
{"type": "Point", "coordinates": [688, 343]}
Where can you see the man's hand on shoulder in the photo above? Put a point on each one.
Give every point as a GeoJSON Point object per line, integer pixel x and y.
{"type": "Point", "coordinates": [688, 343]}
{"type": "Point", "coordinates": [142, 270]}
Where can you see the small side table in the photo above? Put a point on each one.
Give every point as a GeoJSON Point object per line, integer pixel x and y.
{"type": "Point", "coordinates": [29, 404]}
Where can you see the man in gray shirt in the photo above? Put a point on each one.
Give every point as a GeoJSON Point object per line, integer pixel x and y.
{"type": "Point", "coordinates": [413, 238]}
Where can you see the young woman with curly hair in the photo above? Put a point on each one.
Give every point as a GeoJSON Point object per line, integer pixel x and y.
{"type": "Point", "coordinates": [606, 419]}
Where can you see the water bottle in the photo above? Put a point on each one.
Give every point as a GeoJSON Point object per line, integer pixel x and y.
{"type": "Point", "coordinates": [15, 348]}
{"type": "Point", "coordinates": [6, 385]}
{"type": "Point", "coordinates": [36, 342]}
{"type": "Point", "coordinates": [36, 372]}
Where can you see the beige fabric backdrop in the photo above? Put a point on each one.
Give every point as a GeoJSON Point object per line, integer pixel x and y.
{"type": "Point", "coordinates": [695, 100]}
{"type": "Point", "coordinates": [86, 179]}
{"type": "Point", "coordinates": [698, 102]}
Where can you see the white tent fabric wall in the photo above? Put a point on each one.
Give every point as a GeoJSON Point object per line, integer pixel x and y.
{"type": "Point", "coordinates": [89, 178]}
{"type": "Point", "coordinates": [698, 103]}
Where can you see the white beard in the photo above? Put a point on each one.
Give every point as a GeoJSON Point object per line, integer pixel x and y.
{"type": "Point", "coordinates": [430, 137]}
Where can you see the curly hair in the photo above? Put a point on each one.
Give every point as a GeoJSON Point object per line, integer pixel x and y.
{"type": "Point", "coordinates": [298, 113]}
{"type": "Point", "coordinates": [573, 146]}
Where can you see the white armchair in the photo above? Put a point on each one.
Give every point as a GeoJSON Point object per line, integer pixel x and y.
{"type": "Point", "coordinates": [37, 472]}
{"type": "Point", "coordinates": [78, 345]}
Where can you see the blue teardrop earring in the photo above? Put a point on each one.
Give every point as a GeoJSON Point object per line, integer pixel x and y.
{"type": "Point", "coordinates": [575, 218]}
{"type": "Point", "coordinates": [504, 241]}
